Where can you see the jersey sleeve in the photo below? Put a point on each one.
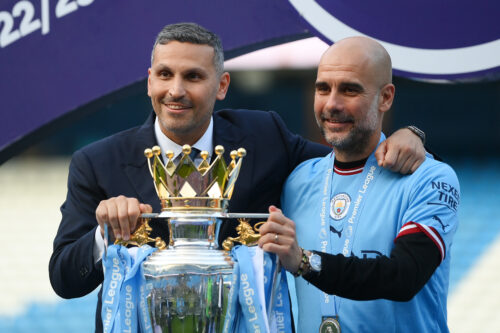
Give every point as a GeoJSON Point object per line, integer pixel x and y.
{"type": "Point", "coordinates": [433, 206]}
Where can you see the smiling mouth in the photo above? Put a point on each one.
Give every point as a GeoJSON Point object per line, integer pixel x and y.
{"type": "Point", "coordinates": [177, 107]}
{"type": "Point", "coordinates": [336, 125]}
{"type": "Point", "coordinates": [337, 121]}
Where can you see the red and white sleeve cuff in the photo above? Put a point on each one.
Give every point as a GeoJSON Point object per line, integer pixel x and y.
{"type": "Point", "coordinates": [412, 227]}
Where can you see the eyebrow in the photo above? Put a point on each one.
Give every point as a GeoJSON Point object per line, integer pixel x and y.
{"type": "Point", "coordinates": [351, 85]}
{"type": "Point", "coordinates": [321, 84]}
{"type": "Point", "coordinates": [162, 67]}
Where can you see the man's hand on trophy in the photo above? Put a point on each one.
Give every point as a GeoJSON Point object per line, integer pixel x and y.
{"type": "Point", "coordinates": [278, 236]}
{"type": "Point", "coordinates": [121, 215]}
{"type": "Point", "coordinates": [402, 152]}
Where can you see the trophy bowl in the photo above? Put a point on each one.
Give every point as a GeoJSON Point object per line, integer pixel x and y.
{"type": "Point", "coordinates": [189, 282]}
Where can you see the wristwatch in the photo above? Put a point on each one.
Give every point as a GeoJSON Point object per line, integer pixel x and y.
{"type": "Point", "coordinates": [314, 262]}
{"type": "Point", "coordinates": [309, 263]}
{"type": "Point", "coordinates": [418, 132]}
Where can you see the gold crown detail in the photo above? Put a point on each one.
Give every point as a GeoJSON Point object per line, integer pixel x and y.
{"type": "Point", "coordinates": [185, 186]}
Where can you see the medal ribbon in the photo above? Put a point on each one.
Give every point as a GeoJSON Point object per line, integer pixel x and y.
{"type": "Point", "coordinates": [370, 171]}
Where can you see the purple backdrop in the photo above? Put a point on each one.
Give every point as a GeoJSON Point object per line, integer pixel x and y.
{"type": "Point", "coordinates": [59, 55]}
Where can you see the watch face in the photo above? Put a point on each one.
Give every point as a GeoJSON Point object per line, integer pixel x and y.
{"type": "Point", "coordinates": [315, 262]}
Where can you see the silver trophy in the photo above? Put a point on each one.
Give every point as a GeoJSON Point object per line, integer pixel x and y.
{"type": "Point", "coordinates": [188, 278]}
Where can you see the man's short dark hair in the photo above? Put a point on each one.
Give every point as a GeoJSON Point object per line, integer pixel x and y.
{"type": "Point", "coordinates": [195, 34]}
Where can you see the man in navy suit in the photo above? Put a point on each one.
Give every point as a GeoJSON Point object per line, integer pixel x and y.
{"type": "Point", "coordinates": [109, 181]}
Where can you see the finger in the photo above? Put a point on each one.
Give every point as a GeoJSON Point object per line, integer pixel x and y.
{"type": "Point", "coordinates": [101, 215]}
{"type": "Point", "coordinates": [380, 153]}
{"type": "Point", "coordinates": [416, 164]}
{"type": "Point", "coordinates": [278, 217]}
{"type": "Point", "coordinates": [145, 208]}
{"type": "Point", "coordinates": [287, 228]}
{"type": "Point", "coordinates": [290, 256]}
{"type": "Point", "coordinates": [112, 214]}
{"type": "Point", "coordinates": [270, 227]}
{"type": "Point", "coordinates": [282, 248]}
{"type": "Point", "coordinates": [275, 237]}
{"type": "Point", "coordinates": [390, 157]}
{"type": "Point", "coordinates": [123, 217]}
{"type": "Point", "coordinates": [406, 168]}
{"type": "Point", "coordinates": [402, 158]}
{"type": "Point", "coordinates": [134, 211]}
{"type": "Point", "coordinates": [273, 209]}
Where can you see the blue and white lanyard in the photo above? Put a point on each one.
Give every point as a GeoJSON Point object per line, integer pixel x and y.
{"type": "Point", "coordinates": [370, 170]}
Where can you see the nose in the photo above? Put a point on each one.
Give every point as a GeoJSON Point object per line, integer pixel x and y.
{"type": "Point", "coordinates": [334, 101]}
{"type": "Point", "coordinates": [177, 90]}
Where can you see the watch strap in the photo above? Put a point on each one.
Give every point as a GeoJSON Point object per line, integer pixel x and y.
{"type": "Point", "coordinates": [418, 132]}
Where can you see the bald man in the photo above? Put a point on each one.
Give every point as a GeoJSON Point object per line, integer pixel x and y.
{"type": "Point", "coordinates": [369, 249]}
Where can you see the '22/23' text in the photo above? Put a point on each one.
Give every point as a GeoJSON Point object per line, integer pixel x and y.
{"type": "Point", "coordinates": [31, 19]}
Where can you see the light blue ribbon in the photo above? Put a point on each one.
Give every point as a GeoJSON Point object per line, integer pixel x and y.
{"type": "Point", "coordinates": [245, 311]}
{"type": "Point", "coordinates": [124, 305]}
{"type": "Point", "coordinates": [366, 182]}
{"type": "Point", "coordinates": [281, 320]}
{"type": "Point", "coordinates": [114, 274]}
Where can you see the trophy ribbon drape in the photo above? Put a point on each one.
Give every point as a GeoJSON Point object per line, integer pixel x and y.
{"type": "Point", "coordinates": [124, 306]}
{"type": "Point", "coordinates": [249, 300]}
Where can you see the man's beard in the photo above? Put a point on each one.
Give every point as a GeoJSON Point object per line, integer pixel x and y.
{"type": "Point", "coordinates": [357, 139]}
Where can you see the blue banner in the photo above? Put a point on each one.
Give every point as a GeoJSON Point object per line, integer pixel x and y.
{"type": "Point", "coordinates": [57, 56]}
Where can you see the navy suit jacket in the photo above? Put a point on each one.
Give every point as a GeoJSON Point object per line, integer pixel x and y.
{"type": "Point", "coordinates": [116, 166]}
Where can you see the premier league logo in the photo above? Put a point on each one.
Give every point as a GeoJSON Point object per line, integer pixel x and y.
{"type": "Point", "coordinates": [339, 206]}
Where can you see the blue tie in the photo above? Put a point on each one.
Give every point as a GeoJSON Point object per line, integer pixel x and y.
{"type": "Point", "coordinates": [194, 153]}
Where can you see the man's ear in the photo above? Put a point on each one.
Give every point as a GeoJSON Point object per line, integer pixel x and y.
{"type": "Point", "coordinates": [149, 82]}
{"type": "Point", "coordinates": [386, 97]}
{"type": "Point", "coordinates": [223, 86]}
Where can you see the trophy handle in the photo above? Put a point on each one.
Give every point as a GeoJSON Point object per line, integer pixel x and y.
{"type": "Point", "coordinates": [141, 236]}
{"type": "Point", "coordinates": [246, 234]}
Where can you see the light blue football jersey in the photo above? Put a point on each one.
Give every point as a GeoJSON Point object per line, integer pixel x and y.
{"type": "Point", "coordinates": [395, 204]}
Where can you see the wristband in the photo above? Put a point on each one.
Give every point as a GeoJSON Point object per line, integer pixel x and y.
{"type": "Point", "coordinates": [418, 132]}
{"type": "Point", "coordinates": [304, 266]}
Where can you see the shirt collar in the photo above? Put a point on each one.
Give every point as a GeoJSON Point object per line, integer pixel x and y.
{"type": "Point", "coordinates": [204, 143]}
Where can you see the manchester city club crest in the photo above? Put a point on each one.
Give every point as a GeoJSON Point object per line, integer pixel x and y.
{"type": "Point", "coordinates": [339, 206]}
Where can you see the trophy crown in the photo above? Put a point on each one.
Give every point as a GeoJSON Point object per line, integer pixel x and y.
{"type": "Point", "coordinates": [182, 185]}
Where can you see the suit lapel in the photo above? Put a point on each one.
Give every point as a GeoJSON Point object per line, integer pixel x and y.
{"type": "Point", "coordinates": [232, 137]}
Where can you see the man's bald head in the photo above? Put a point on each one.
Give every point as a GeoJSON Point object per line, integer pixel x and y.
{"type": "Point", "coordinates": [353, 91]}
{"type": "Point", "coordinates": [362, 52]}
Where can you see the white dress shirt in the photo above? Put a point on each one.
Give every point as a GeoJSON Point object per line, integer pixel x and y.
{"type": "Point", "coordinates": [204, 143]}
